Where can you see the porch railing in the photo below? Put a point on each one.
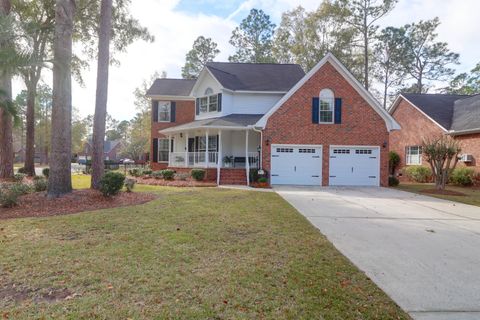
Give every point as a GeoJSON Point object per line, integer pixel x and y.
{"type": "Point", "coordinates": [197, 159]}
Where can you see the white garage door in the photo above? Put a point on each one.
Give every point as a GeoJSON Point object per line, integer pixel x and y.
{"type": "Point", "coordinates": [296, 165]}
{"type": "Point", "coordinates": [354, 166]}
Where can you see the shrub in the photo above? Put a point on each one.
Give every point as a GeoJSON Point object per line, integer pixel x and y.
{"type": "Point", "coordinates": [46, 172]}
{"type": "Point", "coordinates": [419, 173]}
{"type": "Point", "coordinates": [393, 182]}
{"type": "Point", "coordinates": [393, 161]}
{"type": "Point", "coordinates": [22, 170]}
{"type": "Point", "coordinates": [182, 176]}
{"type": "Point", "coordinates": [198, 174]}
{"type": "Point", "coordinates": [157, 174]}
{"type": "Point", "coordinates": [40, 185]}
{"type": "Point", "coordinates": [129, 184]}
{"type": "Point", "coordinates": [463, 176]}
{"type": "Point", "coordinates": [135, 172]}
{"type": "Point", "coordinates": [147, 172]}
{"type": "Point", "coordinates": [8, 198]}
{"type": "Point", "coordinates": [262, 180]}
{"type": "Point", "coordinates": [111, 183]}
{"type": "Point", "coordinates": [20, 188]}
{"type": "Point", "coordinates": [18, 177]}
{"type": "Point", "coordinates": [168, 174]}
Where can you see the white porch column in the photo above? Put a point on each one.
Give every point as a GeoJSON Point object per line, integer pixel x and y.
{"type": "Point", "coordinates": [169, 150]}
{"type": "Point", "coordinates": [206, 149]}
{"type": "Point", "coordinates": [186, 150]}
{"type": "Point", "coordinates": [219, 156]}
{"type": "Point", "coordinates": [247, 162]}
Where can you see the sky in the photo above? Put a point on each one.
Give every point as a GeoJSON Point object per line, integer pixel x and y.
{"type": "Point", "coordinates": [177, 23]}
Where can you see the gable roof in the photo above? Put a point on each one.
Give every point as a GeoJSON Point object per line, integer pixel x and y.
{"type": "Point", "coordinates": [269, 77]}
{"type": "Point", "coordinates": [330, 58]}
{"type": "Point", "coordinates": [171, 87]}
{"type": "Point", "coordinates": [108, 145]}
{"type": "Point", "coordinates": [451, 112]}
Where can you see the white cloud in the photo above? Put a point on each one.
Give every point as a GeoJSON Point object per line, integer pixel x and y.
{"type": "Point", "coordinates": [175, 32]}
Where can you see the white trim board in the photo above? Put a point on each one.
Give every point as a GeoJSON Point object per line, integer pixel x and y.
{"type": "Point", "coordinates": [389, 121]}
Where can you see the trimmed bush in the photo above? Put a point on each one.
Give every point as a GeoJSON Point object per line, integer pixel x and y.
{"type": "Point", "coordinates": [46, 172]}
{"type": "Point", "coordinates": [130, 184]}
{"type": "Point", "coordinates": [393, 161]}
{"type": "Point", "coordinates": [182, 176]}
{"type": "Point", "coordinates": [419, 173]}
{"type": "Point", "coordinates": [262, 180]}
{"type": "Point", "coordinates": [8, 198]}
{"type": "Point", "coordinates": [111, 183]}
{"type": "Point", "coordinates": [135, 172]}
{"type": "Point", "coordinates": [157, 174]}
{"type": "Point", "coordinates": [22, 170]}
{"type": "Point", "coordinates": [168, 174]}
{"type": "Point", "coordinates": [463, 176]}
{"type": "Point", "coordinates": [393, 182]}
{"type": "Point", "coordinates": [18, 177]}
{"type": "Point", "coordinates": [198, 174]}
{"type": "Point", "coordinates": [147, 172]}
{"type": "Point", "coordinates": [20, 188]}
{"type": "Point", "coordinates": [40, 185]}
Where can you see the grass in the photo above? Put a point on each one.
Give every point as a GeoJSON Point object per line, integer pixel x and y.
{"type": "Point", "coordinates": [472, 195]}
{"type": "Point", "coordinates": [201, 253]}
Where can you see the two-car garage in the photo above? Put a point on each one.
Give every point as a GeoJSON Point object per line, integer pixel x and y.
{"type": "Point", "coordinates": [302, 165]}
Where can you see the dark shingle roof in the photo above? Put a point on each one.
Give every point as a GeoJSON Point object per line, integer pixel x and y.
{"type": "Point", "coordinates": [466, 114]}
{"type": "Point", "coordinates": [256, 76]}
{"type": "Point", "coordinates": [439, 107]}
{"type": "Point", "coordinates": [232, 120]}
{"type": "Point", "coordinates": [171, 87]}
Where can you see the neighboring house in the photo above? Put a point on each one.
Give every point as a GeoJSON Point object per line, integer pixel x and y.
{"type": "Point", "coordinates": [320, 128]}
{"type": "Point", "coordinates": [424, 116]}
{"type": "Point", "coordinates": [111, 149]}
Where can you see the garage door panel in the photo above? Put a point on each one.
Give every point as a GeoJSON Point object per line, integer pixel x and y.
{"type": "Point", "coordinates": [354, 166]}
{"type": "Point", "coordinates": [296, 165]}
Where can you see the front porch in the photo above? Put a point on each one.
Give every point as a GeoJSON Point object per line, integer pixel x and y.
{"type": "Point", "coordinates": [231, 152]}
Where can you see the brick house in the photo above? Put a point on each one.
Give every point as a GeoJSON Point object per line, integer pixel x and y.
{"type": "Point", "coordinates": [111, 149]}
{"type": "Point", "coordinates": [424, 116]}
{"type": "Point", "coordinates": [319, 128]}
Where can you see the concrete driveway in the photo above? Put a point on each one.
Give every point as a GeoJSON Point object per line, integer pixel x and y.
{"type": "Point", "coordinates": [423, 252]}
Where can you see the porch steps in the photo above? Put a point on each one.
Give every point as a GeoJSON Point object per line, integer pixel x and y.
{"type": "Point", "coordinates": [233, 176]}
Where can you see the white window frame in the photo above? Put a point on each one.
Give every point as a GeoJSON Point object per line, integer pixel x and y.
{"type": "Point", "coordinates": [209, 102]}
{"type": "Point", "coordinates": [326, 99]}
{"type": "Point", "coordinates": [413, 159]}
{"type": "Point", "coordinates": [212, 143]}
{"type": "Point", "coordinates": [161, 149]}
{"type": "Point", "coordinates": [168, 111]}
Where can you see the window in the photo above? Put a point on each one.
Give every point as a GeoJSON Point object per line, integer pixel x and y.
{"type": "Point", "coordinates": [209, 91]}
{"type": "Point", "coordinates": [163, 150]}
{"type": "Point", "coordinates": [284, 150]}
{"type": "Point", "coordinates": [212, 144]}
{"type": "Point", "coordinates": [363, 151]}
{"type": "Point", "coordinates": [414, 155]}
{"type": "Point", "coordinates": [209, 103]}
{"type": "Point", "coordinates": [213, 103]}
{"type": "Point", "coordinates": [306, 150]}
{"type": "Point", "coordinates": [327, 100]}
{"type": "Point", "coordinates": [341, 151]}
{"type": "Point", "coordinates": [203, 104]}
{"type": "Point", "coordinates": [164, 111]}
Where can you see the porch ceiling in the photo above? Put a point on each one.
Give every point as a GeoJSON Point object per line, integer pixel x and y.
{"type": "Point", "coordinates": [232, 121]}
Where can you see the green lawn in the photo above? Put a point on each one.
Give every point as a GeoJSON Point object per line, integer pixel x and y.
{"type": "Point", "coordinates": [202, 253]}
{"type": "Point", "coordinates": [472, 194]}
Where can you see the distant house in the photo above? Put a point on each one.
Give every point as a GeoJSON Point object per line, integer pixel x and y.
{"type": "Point", "coordinates": [424, 116]}
{"type": "Point", "coordinates": [319, 128]}
{"type": "Point", "coordinates": [111, 149]}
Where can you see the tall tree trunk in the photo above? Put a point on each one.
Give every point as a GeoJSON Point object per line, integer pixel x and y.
{"type": "Point", "coordinates": [30, 147]}
{"type": "Point", "coordinates": [365, 52]}
{"type": "Point", "coordinates": [6, 124]}
{"type": "Point", "coordinates": [60, 179]}
{"type": "Point", "coordinates": [45, 147]}
{"type": "Point", "coordinates": [102, 92]}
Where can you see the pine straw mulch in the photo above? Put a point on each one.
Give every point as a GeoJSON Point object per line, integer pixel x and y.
{"type": "Point", "coordinates": [38, 205]}
{"type": "Point", "coordinates": [443, 192]}
{"type": "Point", "coordinates": [174, 183]}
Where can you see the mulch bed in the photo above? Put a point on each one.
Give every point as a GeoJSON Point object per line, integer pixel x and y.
{"type": "Point", "coordinates": [174, 183]}
{"type": "Point", "coordinates": [38, 205]}
{"type": "Point", "coordinates": [443, 192]}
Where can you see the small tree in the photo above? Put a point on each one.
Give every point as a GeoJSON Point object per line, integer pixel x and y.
{"type": "Point", "coordinates": [393, 162]}
{"type": "Point", "coordinates": [442, 155]}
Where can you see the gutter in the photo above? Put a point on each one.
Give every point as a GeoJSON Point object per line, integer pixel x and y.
{"type": "Point", "coordinates": [463, 132]}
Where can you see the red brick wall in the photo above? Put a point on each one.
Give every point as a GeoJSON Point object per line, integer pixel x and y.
{"type": "Point", "coordinates": [415, 128]}
{"type": "Point", "coordinates": [361, 124]}
{"type": "Point", "coordinates": [185, 112]}
{"type": "Point", "coordinates": [470, 144]}
{"type": "Point", "coordinates": [210, 174]}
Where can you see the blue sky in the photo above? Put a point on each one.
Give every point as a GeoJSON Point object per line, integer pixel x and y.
{"type": "Point", "coordinates": [209, 7]}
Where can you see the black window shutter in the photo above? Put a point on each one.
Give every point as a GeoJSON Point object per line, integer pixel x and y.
{"type": "Point", "coordinates": [173, 111]}
{"type": "Point", "coordinates": [219, 102]}
{"type": "Point", "coordinates": [196, 144]}
{"type": "Point", "coordinates": [315, 109]}
{"type": "Point", "coordinates": [155, 110]}
{"type": "Point", "coordinates": [338, 110]}
{"type": "Point", "coordinates": [217, 140]}
{"type": "Point", "coordinates": [155, 150]}
{"type": "Point", "coordinates": [171, 145]}
{"type": "Point", "coordinates": [197, 106]}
